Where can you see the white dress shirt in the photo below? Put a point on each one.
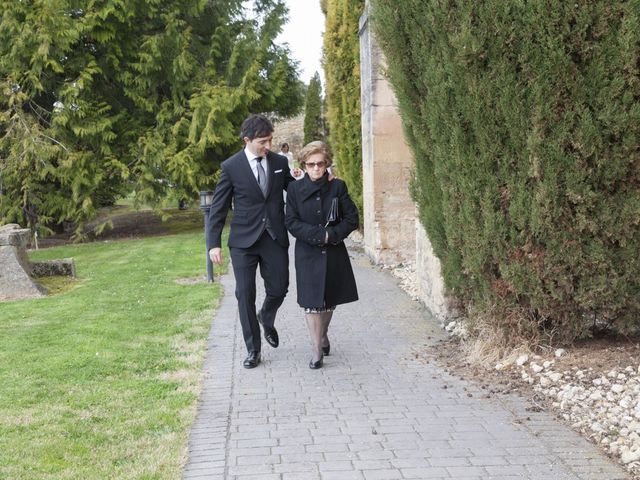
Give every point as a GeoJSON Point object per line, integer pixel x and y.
{"type": "Point", "coordinates": [254, 164]}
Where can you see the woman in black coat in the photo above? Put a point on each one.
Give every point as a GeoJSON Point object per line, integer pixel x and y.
{"type": "Point", "coordinates": [320, 215]}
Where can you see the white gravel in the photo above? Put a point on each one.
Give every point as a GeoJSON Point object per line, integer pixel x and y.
{"type": "Point", "coordinates": [603, 406]}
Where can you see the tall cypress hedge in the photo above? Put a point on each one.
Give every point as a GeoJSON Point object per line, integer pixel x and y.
{"type": "Point", "coordinates": [313, 122]}
{"type": "Point", "coordinates": [341, 51]}
{"type": "Point", "coordinates": [524, 119]}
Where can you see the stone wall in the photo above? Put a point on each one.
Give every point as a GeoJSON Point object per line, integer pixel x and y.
{"type": "Point", "coordinates": [387, 163]}
{"type": "Point", "coordinates": [392, 231]}
{"type": "Point", "coordinates": [429, 276]}
{"type": "Point", "coordinates": [290, 130]}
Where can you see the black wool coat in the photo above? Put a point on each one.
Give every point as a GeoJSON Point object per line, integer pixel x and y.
{"type": "Point", "coordinates": [324, 275]}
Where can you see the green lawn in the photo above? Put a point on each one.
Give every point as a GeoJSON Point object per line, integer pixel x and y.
{"type": "Point", "coordinates": [101, 381]}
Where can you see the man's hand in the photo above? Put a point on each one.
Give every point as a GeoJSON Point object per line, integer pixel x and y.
{"type": "Point", "coordinates": [215, 254]}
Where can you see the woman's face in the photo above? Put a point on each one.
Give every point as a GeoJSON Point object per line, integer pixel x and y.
{"type": "Point", "coordinates": [315, 166]}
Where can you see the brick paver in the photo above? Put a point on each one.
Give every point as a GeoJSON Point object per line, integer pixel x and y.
{"type": "Point", "coordinates": [377, 410]}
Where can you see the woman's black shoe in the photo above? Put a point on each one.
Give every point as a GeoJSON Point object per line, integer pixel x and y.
{"type": "Point", "coordinates": [315, 365]}
{"type": "Point", "coordinates": [326, 349]}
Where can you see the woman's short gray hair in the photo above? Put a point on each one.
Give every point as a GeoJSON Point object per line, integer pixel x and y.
{"type": "Point", "coordinates": [312, 148]}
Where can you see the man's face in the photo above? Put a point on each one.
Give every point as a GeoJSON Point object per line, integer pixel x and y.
{"type": "Point", "coordinates": [259, 146]}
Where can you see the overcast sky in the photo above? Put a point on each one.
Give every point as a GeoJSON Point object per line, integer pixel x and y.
{"type": "Point", "coordinates": [303, 33]}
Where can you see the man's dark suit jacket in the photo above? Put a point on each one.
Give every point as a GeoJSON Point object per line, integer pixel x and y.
{"type": "Point", "coordinates": [250, 207]}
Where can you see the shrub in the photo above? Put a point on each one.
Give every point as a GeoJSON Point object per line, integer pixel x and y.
{"type": "Point", "coordinates": [524, 119]}
{"type": "Point", "coordinates": [313, 121]}
{"type": "Point", "coordinates": [342, 73]}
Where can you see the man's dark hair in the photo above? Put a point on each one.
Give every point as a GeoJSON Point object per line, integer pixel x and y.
{"type": "Point", "coordinates": [255, 126]}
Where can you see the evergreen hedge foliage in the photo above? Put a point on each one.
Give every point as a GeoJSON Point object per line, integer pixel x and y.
{"type": "Point", "coordinates": [342, 73]}
{"type": "Point", "coordinates": [313, 126]}
{"type": "Point", "coordinates": [524, 118]}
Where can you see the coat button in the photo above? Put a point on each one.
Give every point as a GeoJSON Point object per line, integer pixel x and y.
{"type": "Point", "coordinates": [318, 212]}
{"type": "Point", "coordinates": [317, 198]}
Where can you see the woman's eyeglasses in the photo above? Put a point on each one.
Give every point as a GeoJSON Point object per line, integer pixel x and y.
{"type": "Point", "coordinates": [315, 164]}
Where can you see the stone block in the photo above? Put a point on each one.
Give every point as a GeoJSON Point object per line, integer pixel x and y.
{"type": "Point", "coordinates": [429, 276]}
{"type": "Point", "coordinates": [387, 122]}
{"type": "Point", "coordinates": [52, 268]}
{"type": "Point", "coordinates": [13, 235]}
{"type": "Point", "coordinates": [15, 282]}
{"type": "Point", "coordinates": [383, 94]}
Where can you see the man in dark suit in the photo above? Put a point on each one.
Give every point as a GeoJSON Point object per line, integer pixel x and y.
{"type": "Point", "coordinates": [254, 178]}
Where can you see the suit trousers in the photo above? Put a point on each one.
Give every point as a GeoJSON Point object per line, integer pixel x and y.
{"type": "Point", "coordinates": [273, 260]}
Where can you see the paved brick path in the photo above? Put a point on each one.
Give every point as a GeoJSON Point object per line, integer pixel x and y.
{"type": "Point", "coordinates": [377, 410]}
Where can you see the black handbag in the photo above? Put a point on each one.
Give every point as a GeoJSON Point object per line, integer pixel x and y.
{"type": "Point", "coordinates": [333, 217]}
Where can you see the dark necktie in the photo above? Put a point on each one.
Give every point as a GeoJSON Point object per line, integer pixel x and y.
{"type": "Point", "coordinates": [262, 176]}
{"type": "Point", "coordinates": [262, 181]}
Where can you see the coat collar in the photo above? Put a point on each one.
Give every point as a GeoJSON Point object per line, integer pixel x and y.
{"type": "Point", "coordinates": [308, 188]}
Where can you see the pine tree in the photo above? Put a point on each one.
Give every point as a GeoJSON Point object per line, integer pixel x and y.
{"type": "Point", "coordinates": [129, 96]}
{"type": "Point", "coordinates": [313, 121]}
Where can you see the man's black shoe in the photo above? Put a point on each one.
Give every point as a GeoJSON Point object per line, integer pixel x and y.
{"type": "Point", "coordinates": [252, 360]}
{"type": "Point", "coordinates": [270, 333]}
{"type": "Point", "coordinates": [271, 336]}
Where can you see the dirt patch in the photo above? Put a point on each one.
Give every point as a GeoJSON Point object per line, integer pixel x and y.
{"type": "Point", "coordinates": [191, 280]}
{"type": "Point", "coordinates": [594, 357]}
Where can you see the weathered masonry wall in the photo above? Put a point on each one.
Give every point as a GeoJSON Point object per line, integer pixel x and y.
{"type": "Point", "coordinates": [389, 212]}
{"type": "Point", "coordinates": [392, 231]}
